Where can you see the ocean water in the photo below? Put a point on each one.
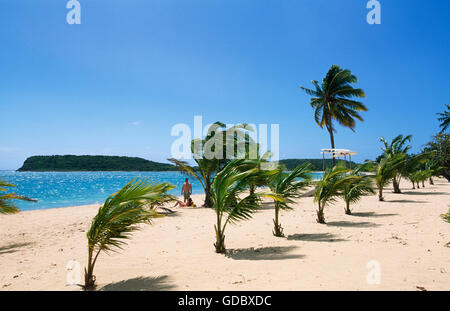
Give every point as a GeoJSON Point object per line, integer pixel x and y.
{"type": "Point", "coordinates": [63, 189]}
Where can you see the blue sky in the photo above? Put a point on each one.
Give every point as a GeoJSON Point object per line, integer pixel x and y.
{"type": "Point", "coordinates": [118, 82]}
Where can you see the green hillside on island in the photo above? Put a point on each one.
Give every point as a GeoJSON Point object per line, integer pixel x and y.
{"type": "Point", "coordinates": [66, 163]}
{"type": "Point", "coordinates": [316, 164]}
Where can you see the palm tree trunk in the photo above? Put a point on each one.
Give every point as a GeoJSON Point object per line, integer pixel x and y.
{"type": "Point", "coordinates": [320, 215]}
{"type": "Point", "coordinates": [380, 194]}
{"type": "Point", "coordinates": [348, 211]}
{"type": "Point", "coordinates": [330, 131]}
{"type": "Point", "coordinates": [423, 183]}
{"type": "Point", "coordinates": [208, 202]}
{"type": "Point", "coordinates": [252, 189]}
{"type": "Point", "coordinates": [418, 185]}
{"type": "Point", "coordinates": [396, 184]}
{"type": "Point", "coordinates": [431, 181]}
{"type": "Point", "coordinates": [89, 278]}
{"type": "Point", "coordinates": [220, 240]}
{"type": "Point", "coordinates": [278, 230]}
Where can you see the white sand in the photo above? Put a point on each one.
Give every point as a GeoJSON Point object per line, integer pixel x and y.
{"type": "Point", "coordinates": [405, 235]}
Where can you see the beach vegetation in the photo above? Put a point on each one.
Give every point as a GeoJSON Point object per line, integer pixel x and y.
{"type": "Point", "coordinates": [444, 118]}
{"type": "Point", "coordinates": [120, 215]}
{"type": "Point", "coordinates": [7, 205]}
{"type": "Point", "coordinates": [397, 146]}
{"type": "Point", "coordinates": [330, 187]}
{"type": "Point", "coordinates": [232, 202]}
{"type": "Point", "coordinates": [357, 187]}
{"type": "Point", "coordinates": [385, 171]}
{"type": "Point", "coordinates": [288, 185]}
{"type": "Point", "coordinates": [440, 145]}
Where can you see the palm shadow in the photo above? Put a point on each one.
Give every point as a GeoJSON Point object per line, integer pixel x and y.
{"type": "Point", "coordinates": [316, 237]}
{"type": "Point", "coordinates": [364, 224]}
{"type": "Point", "coordinates": [424, 193]}
{"type": "Point", "coordinates": [266, 205]}
{"type": "Point", "coordinates": [371, 214]}
{"type": "Point", "coordinates": [407, 201]}
{"type": "Point", "coordinates": [159, 283]}
{"type": "Point", "coordinates": [263, 253]}
{"type": "Point", "coordinates": [11, 248]}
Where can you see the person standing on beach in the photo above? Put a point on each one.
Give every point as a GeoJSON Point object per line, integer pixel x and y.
{"type": "Point", "coordinates": [186, 190]}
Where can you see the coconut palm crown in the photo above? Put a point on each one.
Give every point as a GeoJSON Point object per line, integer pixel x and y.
{"type": "Point", "coordinates": [7, 205]}
{"type": "Point", "coordinates": [333, 100]}
{"type": "Point", "coordinates": [120, 215]}
{"type": "Point", "coordinates": [444, 119]}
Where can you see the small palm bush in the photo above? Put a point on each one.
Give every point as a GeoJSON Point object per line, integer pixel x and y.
{"type": "Point", "coordinates": [386, 170]}
{"type": "Point", "coordinates": [7, 205]}
{"type": "Point", "coordinates": [287, 186]}
{"type": "Point", "coordinates": [330, 187]}
{"type": "Point", "coordinates": [357, 187]}
{"type": "Point", "coordinates": [231, 200]}
{"type": "Point", "coordinates": [119, 216]}
{"type": "Point", "coordinates": [446, 217]}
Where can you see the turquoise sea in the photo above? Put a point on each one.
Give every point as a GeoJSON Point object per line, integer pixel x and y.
{"type": "Point", "coordinates": [63, 189]}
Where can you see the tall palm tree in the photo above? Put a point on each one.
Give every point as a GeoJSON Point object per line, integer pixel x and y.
{"type": "Point", "coordinates": [218, 141]}
{"type": "Point", "coordinates": [333, 100]}
{"type": "Point", "coordinates": [385, 171]}
{"type": "Point", "coordinates": [7, 205]}
{"type": "Point", "coordinates": [444, 118]}
{"type": "Point", "coordinates": [358, 187]}
{"type": "Point", "coordinates": [330, 187]}
{"type": "Point", "coordinates": [287, 186]}
{"type": "Point", "coordinates": [396, 146]}
{"type": "Point", "coordinates": [120, 215]}
{"type": "Point", "coordinates": [230, 197]}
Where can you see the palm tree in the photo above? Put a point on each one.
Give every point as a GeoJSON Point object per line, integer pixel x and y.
{"type": "Point", "coordinates": [330, 187]}
{"type": "Point", "coordinates": [7, 206]}
{"type": "Point", "coordinates": [411, 168]}
{"type": "Point", "coordinates": [119, 216]}
{"type": "Point", "coordinates": [287, 186]}
{"type": "Point", "coordinates": [434, 169]}
{"type": "Point", "coordinates": [385, 170]}
{"type": "Point", "coordinates": [397, 146]}
{"type": "Point", "coordinates": [446, 217]}
{"type": "Point", "coordinates": [444, 119]}
{"type": "Point", "coordinates": [357, 187]}
{"type": "Point", "coordinates": [209, 164]}
{"type": "Point", "coordinates": [333, 100]}
{"type": "Point", "coordinates": [230, 197]}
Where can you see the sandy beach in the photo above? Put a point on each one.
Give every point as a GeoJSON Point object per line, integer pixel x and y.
{"type": "Point", "coordinates": [405, 235]}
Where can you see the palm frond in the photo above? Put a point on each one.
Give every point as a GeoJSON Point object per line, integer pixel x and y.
{"type": "Point", "coordinates": [7, 205]}
{"type": "Point", "coordinates": [123, 211]}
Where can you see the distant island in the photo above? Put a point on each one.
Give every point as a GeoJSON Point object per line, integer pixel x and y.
{"type": "Point", "coordinates": [67, 163]}
{"type": "Point", "coordinates": [73, 163]}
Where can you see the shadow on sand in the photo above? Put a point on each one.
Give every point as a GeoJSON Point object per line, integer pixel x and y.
{"type": "Point", "coordinates": [263, 253]}
{"type": "Point", "coordinates": [11, 248]}
{"type": "Point", "coordinates": [141, 284]}
{"type": "Point", "coordinates": [266, 205]}
{"type": "Point", "coordinates": [372, 214]}
{"type": "Point", "coordinates": [364, 224]}
{"type": "Point", "coordinates": [406, 201]}
{"type": "Point", "coordinates": [424, 193]}
{"type": "Point", "coordinates": [316, 237]}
